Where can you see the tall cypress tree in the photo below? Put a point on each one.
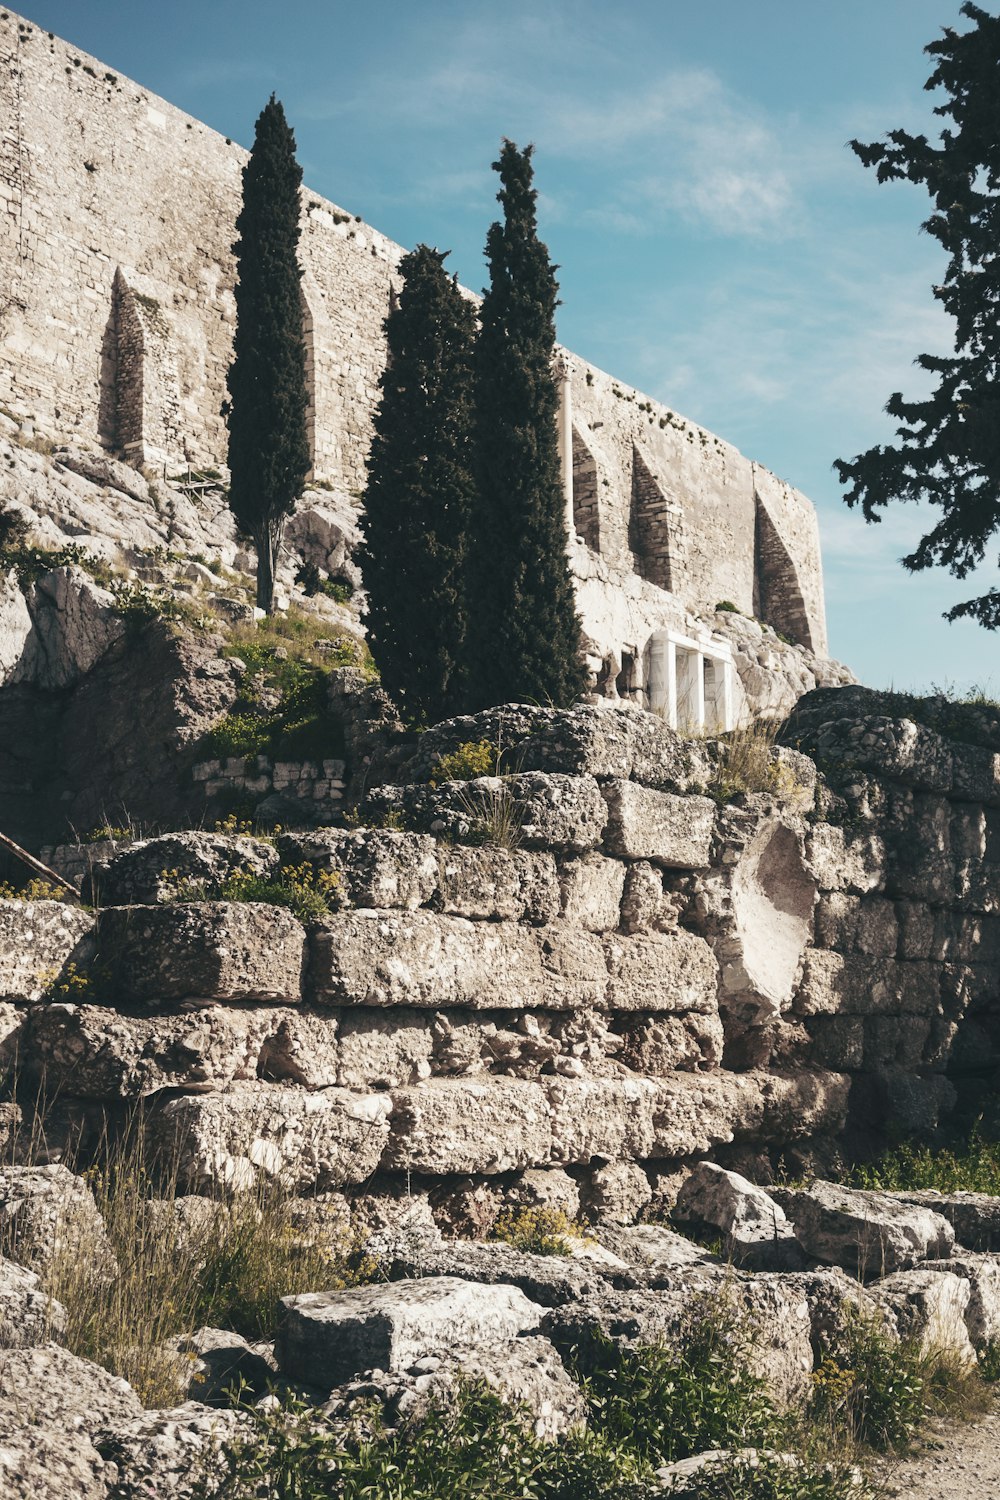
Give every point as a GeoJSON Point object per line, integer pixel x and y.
{"type": "Point", "coordinates": [268, 442]}
{"type": "Point", "coordinates": [526, 642]}
{"type": "Point", "coordinates": [420, 492]}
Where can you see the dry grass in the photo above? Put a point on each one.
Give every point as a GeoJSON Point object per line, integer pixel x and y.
{"type": "Point", "coordinates": [747, 762]}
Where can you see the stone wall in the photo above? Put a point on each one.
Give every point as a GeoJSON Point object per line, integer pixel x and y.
{"type": "Point", "coordinates": [587, 966]}
{"type": "Point", "coordinates": [117, 214]}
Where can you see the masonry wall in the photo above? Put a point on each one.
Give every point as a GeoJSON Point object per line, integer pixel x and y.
{"type": "Point", "coordinates": [117, 216]}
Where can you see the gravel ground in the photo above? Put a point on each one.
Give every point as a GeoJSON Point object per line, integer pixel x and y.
{"type": "Point", "coordinates": [956, 1461]}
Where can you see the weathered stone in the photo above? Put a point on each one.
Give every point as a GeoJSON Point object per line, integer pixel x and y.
{"type": "Point", "coordinates": [563, 814]}
{"type": "Point", "coordinates": [858, 924]}
{"type": "Point", "coordinates": [422, 959]}
{"type": "Point", "coordinates": [982, 1312]}
{"type": "Point", "coordinates": [27, 1316]}
{"type": "Point", "coordinates": [327, 1337]}
{"type": "Point", "coordinates": [204, 950]}
{"type": "Point", "coordinates": [379, 1049]}
{"type": "Point", "coordinates": [696, 1112]}
{"type": "Point", "coordinates": [307, 1140]}
{"type": "Point", "coordinates": [615, 1194]}
{"type": "Point", "coordinates": [53, 1390]}
{"type": "Point", "coordinates": [845, 861]}
{"type": "Point", "coordinates": [975, 1217]}
{"type": "Point", "coordinates": [865, 1232]}
{"type": "Point", "coordinates": [49, 1218]}
{"type": "Point", "coordinates": [457, 1125]}
{"type": "Point", "coordinates": [491, 884]}
{"type": "Point", "coordinates": [592, 889]}
{"type": "Point", "coordinates": [712, 1197]}
{"type": "Point", "coordinates": [216, 1363]}
{"type": "Point", "coordinates": [545, 1187]}
{"type": "Point", "coordinates": [92, 1052]}
{"type": "Point", "coordinates": [672, 831]}
{"type": "Point", "coordinates": [854, 984]}
{"type": "Point", "coordinates": [662, 1044]}
{"type": "Point", "coordinates": [654, 1252]}
{"type": "Point", "coordinates": [38, 942]}
{"type": "Point", "coordinates": [674, 971]}
{"type": "Point", "coordinates": [646, 905]}
{"type": "Point", "coordinates": [930, 1307]}
{"type": "Point", "coordinates": [172, 1455]}
{"type": "Point", "coordinates": [50, 1463]}
{"type": "Point", "coordinates": [378, 867]}
{"type": "Point", "coordinates": [607, 1118]}
{"type": "Point", "coordinates": [549, 1280]}
{"type": "Point", "coordinates": [152, 870]}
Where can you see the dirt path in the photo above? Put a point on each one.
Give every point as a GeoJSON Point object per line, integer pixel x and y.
{"type": "Point", "coordinates": [956, 1461]}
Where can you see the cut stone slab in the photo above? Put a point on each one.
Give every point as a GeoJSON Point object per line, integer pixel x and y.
{"type": "Point", "coordinates": [489, 884]}
{"type": "Point", "coordinates": [377, 867]}
{"type": "Point", "coordinates": [932, 1308]}
{"type": "Point", "coordinates": [982, 1314]}
{"type": "Point", "coordinates": [27, 1316]}
{"type": "Point", "coordinates": [668, 830]}
{"type": "Point", "coordinates": [675, 971]}
{"type": "Point", "coordinates": [38, 940]}
{"type": "Point", "coordinates": [48, 1216]}
{"type": "Point", "coordinates": [325, 1338]}
{"type": "Point", "coordinates": [616, 1193]}
{"type": "Point", "coordinates": [975, 1217]}
{"type": "Point", "coordinates": [306, 1140]}
{"type": "Point", "coordinates": [224, 951]}
{"type": "Point", "coordinates": [469, 1125]}
{"type": "Point", "coordinates": [423, 959]}
{"type": "Point", "coordinates": [866, 1232]}
{"type": "Point", "coordinates": [549, 1280]}
{"type": "Point", "coordinates": [149, 871]}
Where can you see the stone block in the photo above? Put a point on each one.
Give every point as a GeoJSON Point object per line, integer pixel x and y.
{"type": "Point", "coordinates": [151, 870]}
{"type": "Point", "coordinates": [203, 950]}
{"type": "Point", "coordinates": [930, 1307]}
{"type": "Point", "coordinates": [545, 1187]}
{"type": "Point", "coordinates": [385, 1049]}
{"type": "Point", "coordinates": [646, 905]}
{"type": "Point", "coordinates": [695, 1112]}
{"type": "Point", "coordinates": [672, 831]}
{"type": "Point", "coordinates": [616, 1193]}
{"type": "Point", "coordinates": [38, 941]}
{"type": "Point", "coordinates": [866, 1232]}
{"type": "Point", "coordinates": [28, 1316]}
{"type": "Point", "coordinates": [975, 1217]}
{"type": "Point", "coordinates": [48, 1218]}
{"type": "Point", "coordinates": [846, 861]}
{"type": "Point", "coordinates": [490, 884]}
{"type": "Point", "coordinates": [485, 1125]}
{"type": "Point", "coordinates": [307, 1141]}
{"type": "Point", "coordinates": [674, 971]}
{"type": "Point", "coordinates": [857, 924]}
{"type": "Point", "coordinates": [607, 1118]}
{"type": "Point", "coordinates": [423, 959]}
{"type": "Point", "coordinates": [661, 1044]}
{"type": "Point", "coordinates": [592, 890]}
{"type": "Point", "coordinates": [325, 1338]}
{"type": "Point", "coordinates": [855, 984]}
{"type": "Point", "coordinates": [713, 1198]}
{"type": "Point", "coordinates": [982, 1311]}
{"type": "Point", "coordinates": [378, 867]}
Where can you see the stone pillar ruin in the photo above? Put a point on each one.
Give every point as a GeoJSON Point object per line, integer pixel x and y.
{"type": "Point", "coordinates": [564, 435]}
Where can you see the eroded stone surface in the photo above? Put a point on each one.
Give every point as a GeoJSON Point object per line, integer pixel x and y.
{"type": "Point", "coordinates": [38, 942]}
{"type": "Point", "coordinates": [154, 870]}
{"type": "Point", "coordinates": [48, 1217]}
{"type": "Point", "coordinates": [675, 832]}
{"type": "Point", "coordinates": [28, 1316]}
{"type": "Point", "coordinates": [864, 1231]}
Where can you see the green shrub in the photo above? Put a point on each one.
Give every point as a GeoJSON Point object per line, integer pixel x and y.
{"type": "Point", "coordinates": [307, 893]}
{"type": "Point", "coordinates": [872, 1391]}
{"type": "Point", "coordinates": [973, 1166]}
{"type": "Point", "coordinates": [466, 762]}
{"type": "Point", "coordinates": [540, 1231]}
{"type": "Point", "coordinates": [771, 1477]}
{"type": "Point", "coordinates": [727, 607]}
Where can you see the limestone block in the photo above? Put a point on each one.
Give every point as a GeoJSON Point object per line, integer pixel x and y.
{"type": "Point", "coordinates": [921, 864]}
{"type": "Point", "coordinates": [38, 940]}
{"type": "Point", "coordinates": [423, 959]}
{"type": "Point", "coordinates": [485, 1125]}
{"type": "Point", "coordinates": [27, 1316]}
{"type": "Point", "coordinates": [492, 884]}
{"type": "Point", "coordinates": [206, 950]}
{"type": "Point", "coordinates": [545, 1187]}
{"type": "Point", "coordinates": [610, 1118]}
{"type": "Point", "coordinates": [930, 1307]}
{"type": "Point", "coordinates": [854, 984]}
{"type": "Point", "coordinates": [845, 861]}
{"type": "Point", "coordinates": [673, 831]}
{"type": "Point", "coordinates": [304, 1140]}
{"type": "Point", "coordinates": [561, 813]}
{"type": "Point", "coordinates": [697, 1111]}
{"type": "Point", "coordinates": [646, 906]}
{"type": "Point", "coordinates": [674, 971]}
{"type": "Point", "coordinates": [215, 1360]}
{"type": "Point", "coordinates": [378, 867]}
{"type": "Point", "coordinates": [857, 924]}
{"type": "Point", "coordinates": [723, 1200]}
{"type": "Point", "coordinates": [616, 1193]}
{"type": "Point", "coordinates": [328, 1337]}
{"type": "Point", "coordinates": [654, 1252]}
{"type": "Point", "coordinates": [982, 1312]}
{"type": "Point", "coordinates": [92, 1052]}
{"type": "Point", "coordinates": [975, 774]}
{"type": "Point", "coordinates": [48, 1217]}
{"type": "Point", "coordinates": [837, 1042]}
{"type": "Point", "coordinates": [546, 1279]}
{"type": "Point", "coordinates": [975, 1217]}
{"type": "Point", "coordinates": [667, 1044]}
{"type": "Point", "coordinates": [592, 890]}
{"type": "Point", "coordinates": [384, 1049]}
{"type": "Point", "coordinates": [866, 1232]}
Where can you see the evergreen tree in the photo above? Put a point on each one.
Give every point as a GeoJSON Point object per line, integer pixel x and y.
{"type": "Point", "coordinates": [948, 448]}
{"type": "Point", "coordinates": [268, 442]}
{"type": "Point", "coordinates": [525, 641]}
{"type": "Point", "coordinates": [420, 492]}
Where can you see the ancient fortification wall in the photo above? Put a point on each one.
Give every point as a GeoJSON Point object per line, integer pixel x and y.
{"type": "Point", "coordinates": [117, 216]}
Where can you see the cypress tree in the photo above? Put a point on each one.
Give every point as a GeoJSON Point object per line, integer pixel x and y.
{"type": "Point", "coordinates": [268, 443]}
{"type": "Point", "coordinates": [420, 492]}
{"type": "Point", "coordinates": [525, 635]}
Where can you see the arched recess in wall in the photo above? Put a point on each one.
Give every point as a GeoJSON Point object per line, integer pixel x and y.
{"type": "Point", "coordinates": [140, 406]}
{"type": "Point", "coordinates": [777, 596]}
{"type": "Point", "coordinates": [586, 512]}
{"type": "Point", "coordinates": [649, 525]}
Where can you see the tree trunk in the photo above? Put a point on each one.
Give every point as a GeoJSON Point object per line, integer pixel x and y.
{"type": "Point", "coordinates": [268, 545]}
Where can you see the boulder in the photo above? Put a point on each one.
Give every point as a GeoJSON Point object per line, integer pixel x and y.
{"type": "Point", "coordinates": [975, 1217]}
{"type": "Point", "coordinates": [216, 1363]}
{"type": "Point", "coordinates": [173, 1455]}
{"type": "Point", "coordinates": [377, 867]}
{"type": "Point", "coordinates": [27, 1316]}
{"type": "Point", "coordinates": [222, 951]}
{"type": "Point", "coordinates": [930, 1307]}
{"type": "Point", "coordinates": [545, 1187]}
{"type": "Point", "coordinates": [423, 959]}
{"type": "Point", "coordinates": [982, 1312]}
{"type": "Point", "coordinates": [150, 871]}
{"type": "Point", "coordinates": [304, 1140]}
{"type": "Point", "coordinates": [50, 1463]}
{"type": "Point", "coordinates": [325, 1338]}
{"type": "Point", "coordinates": [38, 942]}
{"type": "Point", "coordinates": [49, 1388]}
{"type": "Point", "coordinates": [654, 1252]}
{"type": "Point", "coordinates": [865, 1232]}
{"type": "Point", "coordinates": [750, 1222]}
{"type": "Point", "coordinates": [671, 831]}
{"type": "Point", "coordinates": [48, 1218]}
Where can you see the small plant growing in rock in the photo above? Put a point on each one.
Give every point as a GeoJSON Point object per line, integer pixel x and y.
{"type": "Point", "coordinates": [467, 761]}
{"type": "Point", "coordinates": [539, 1231]}
{"type": "Point", "coordinates": [70, 987]}
{"type": "Point", "coordinates": [35, 890]}
{"type": "Point", "coordinates": [872, 1390]}
{"type": "Point", "coordinates": [307, 893]}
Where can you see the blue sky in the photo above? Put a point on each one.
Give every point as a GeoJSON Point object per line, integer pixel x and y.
{"type": "Point", "coordinates": [720, 247]}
